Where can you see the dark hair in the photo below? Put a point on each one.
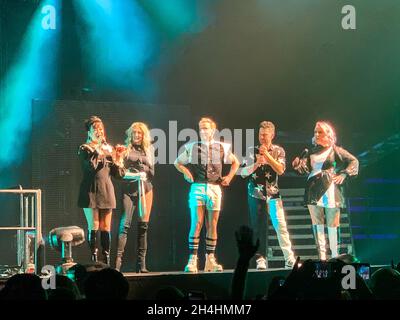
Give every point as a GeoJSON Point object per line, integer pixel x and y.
{"type": "Point", "coordinates": [106, 284]}
{"type": "Point", "coordinates": [23, 286]}
{"type": "Point", "coordinates": [89, 122]}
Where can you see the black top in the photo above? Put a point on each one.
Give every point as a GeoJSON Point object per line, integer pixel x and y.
{"type": "Point", "coordinates": [263, 182]}
{"type": "Point", "coordinates": [96, 189]}
{"type": "Point", "coordinates": [138, 161]}
{"type": "Point", "coordinates": [205, 160]}
{"type": "Point", "coordinates": [338, 161]}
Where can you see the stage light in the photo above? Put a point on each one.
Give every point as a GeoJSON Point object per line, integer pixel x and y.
{"type": "Point", "coordinates": [63, 239]}
{"type": "Point", "coordinates": [31, 76]}
{"type": "Point", "coordinates": [118, 44]}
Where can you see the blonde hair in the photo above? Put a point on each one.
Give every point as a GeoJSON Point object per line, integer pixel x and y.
{"type": "Point", "coordinates": [146, 141]}
{"type": "Point", "coordinates": [329, 131]}
{"type": "Point", "coordinates": [208, 120]}
{"type": "Point", "coordinates": [267, 125]}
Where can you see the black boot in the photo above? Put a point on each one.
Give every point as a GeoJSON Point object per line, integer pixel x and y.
{"type": "Point", "coordinates": [142, 247]}
{"type": "Point", "coordinates": [92, 240]}
{"type": "Point", "coordinates": [120, 249]}
{"type": "Point", "coordinates": [105, 246]}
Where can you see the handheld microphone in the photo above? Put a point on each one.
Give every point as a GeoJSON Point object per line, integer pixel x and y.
{"type": "Point", "coordinates": [304, 154]}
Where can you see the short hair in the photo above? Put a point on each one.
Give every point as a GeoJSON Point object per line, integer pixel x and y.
{"type": "Point", "coordinates": [210, 121]}
{"type": "Point", "coordinates": [267, 125]}
{"type": "Point", "coordinates": [91, 121]}
{"type": "Point", "coordinates": [328, 129]}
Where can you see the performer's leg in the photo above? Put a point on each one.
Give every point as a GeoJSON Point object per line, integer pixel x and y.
{"type": "Point", "coordinates": [212, 235]}
{"type": "Point", "coordinates": [196, 223]}
{"type": "Point", "coordinates": [317, 218]}
{"type": "Point", "coordinates": [213, 197]}
{"type": "Point", "coordinates": [277, 214]}
{"type": "Point", "coordinates": [129, 204]}
{"type": "Point", "coordinates": [257, 218]}
{"type": "Point", "coordinates": [105, 234]}
{"type": "Point", "coordinates": [92, 218]}
{"type": "Point", "coordinates": [211, 241]}
{"type": "Point", "coordinates": [143, 224]}
{"type": "Point", "coordinates": [332, 221]}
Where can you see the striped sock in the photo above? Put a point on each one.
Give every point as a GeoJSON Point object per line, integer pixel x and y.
{"type": "Point", "coordinates": [194, 245]}
{"type": "Point", "coordinates": [210, 245]}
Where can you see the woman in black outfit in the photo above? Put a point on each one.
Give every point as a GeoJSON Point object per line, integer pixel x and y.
{"type": "Point", "coordinates": [96, 194]}
{"type": "Point", "coordinates": [327, 166]}
{"type": "Point", "coordinates": [139, 158]}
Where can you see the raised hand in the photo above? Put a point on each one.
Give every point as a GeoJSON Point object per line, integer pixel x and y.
{"type": "Point", "coordinates": [296, 163]}
{"type": "Point", "coordinates": [244, 241]}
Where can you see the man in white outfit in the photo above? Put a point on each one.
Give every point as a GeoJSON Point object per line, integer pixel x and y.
{"type": "Point", "coordinates": [267, 162]}
{"type": "Point", "coordinates": [201, 164]}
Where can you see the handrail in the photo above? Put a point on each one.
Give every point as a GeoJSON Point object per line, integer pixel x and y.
{"type": "Point", "coordinates": [30, 220]}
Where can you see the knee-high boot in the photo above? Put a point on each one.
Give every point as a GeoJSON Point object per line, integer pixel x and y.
{"type": "Point", "coordinates": [121, 248]}
{"type": "Point", "coordinates": [319, 235]}
{"type": "Point", "coordinates": [92, 240]}
{"type": "Point", "coordinates": [105, 245]}
{"type": "Point", "coordinates": [333, 241]}
{"type": "Point", "coordinates": [142, 247]}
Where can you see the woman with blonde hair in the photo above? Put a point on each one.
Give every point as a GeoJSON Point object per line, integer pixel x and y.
{"type": "Point", "coordinates": [327, 166]}
{"type": "Point", "coordinates": [138, 158]}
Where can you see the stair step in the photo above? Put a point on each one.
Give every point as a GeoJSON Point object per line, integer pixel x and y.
{"type": "Point", "coordinates": [280, 258]}
{"type": "Point", "coordinates": [304, 246]}
{"type": "Point", "coordinates": [306, 236]}
{"type": "Point", "coordinates": [304, 226]}
{"type": "Point", "coordinates": [306, 216]}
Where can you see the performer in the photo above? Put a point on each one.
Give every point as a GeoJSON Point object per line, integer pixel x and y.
{"type": "Point", "coordinates": [201, 164]}
{"type": "Point", "coordinates": [138, 158]}
{"type": "Point", "coordinates": [96, 194]}
{"type": "Point", "coordinates": [265, 164]}
{"type": "Point", "coordinates": [327, 166]}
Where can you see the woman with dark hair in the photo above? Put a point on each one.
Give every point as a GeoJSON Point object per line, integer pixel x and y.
{"type": "Point", "coordinates": [138, 159]}
{"type": "Point", "coordinates": [327, 166]}
{"type": "Point", "coordinates": [99, 162]}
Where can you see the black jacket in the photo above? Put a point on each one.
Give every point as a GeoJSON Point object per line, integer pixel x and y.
{"type": "Point", "coordinates": [338, 161]}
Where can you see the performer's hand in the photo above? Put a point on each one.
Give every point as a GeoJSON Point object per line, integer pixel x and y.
{"type": "Point", "coordinates": [338, 179]}
{"type": "Point", "coordinates": [260, 160]}
{"type": "Point", "coordinates": [120, 149]}
{"type": "Point", "coordinates": [244, 241]}
{"type": "Point", "coordinates": [263, 150]}
{"type": "Point", "coordinates": [188, 176]}
{"type": "Point", "coordinates": [143, 176]}
{"type": "Point", "coordinates": [118, 154]}
{"type": "Point", "coordinates": [226, 181]}
{"type": "Point", "coordinates": [296, 163]}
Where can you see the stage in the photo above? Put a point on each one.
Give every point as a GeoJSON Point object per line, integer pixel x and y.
{"type": "Point", "coordinates": [215, 285]}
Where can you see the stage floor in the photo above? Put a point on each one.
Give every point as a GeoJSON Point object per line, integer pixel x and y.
{"type": "Point", "coordinates": [215, 285]}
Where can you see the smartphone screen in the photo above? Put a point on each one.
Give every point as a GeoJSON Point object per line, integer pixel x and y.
{"type": "Point", "coordinates": [194, 295]}
{"type": "Point", "coordinates": [322, 270]}
{"type": "Point", "coordinates": [363, 271]}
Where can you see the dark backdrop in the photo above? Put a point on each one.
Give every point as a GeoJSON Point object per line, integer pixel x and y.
{"type": "Point", "coordinates": [286, 61]}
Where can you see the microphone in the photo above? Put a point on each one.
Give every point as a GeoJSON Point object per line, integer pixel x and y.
{"type": "Point", "coordinates": [304, 154]}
